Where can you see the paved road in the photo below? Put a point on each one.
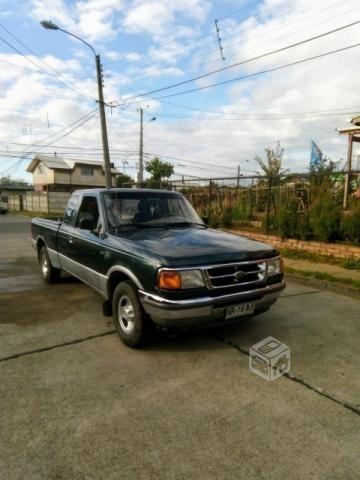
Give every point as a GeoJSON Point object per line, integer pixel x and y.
{"type": "Point", "coordinates": [75, 403]}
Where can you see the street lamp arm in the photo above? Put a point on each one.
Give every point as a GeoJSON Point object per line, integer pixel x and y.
{"type": "Point", "coordinates": [81, 40]}
{"type": "Point", "coordinates": [49, 25]}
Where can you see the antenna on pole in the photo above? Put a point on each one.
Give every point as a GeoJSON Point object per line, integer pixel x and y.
{"type": "Point", "coordinates": [219, 39]}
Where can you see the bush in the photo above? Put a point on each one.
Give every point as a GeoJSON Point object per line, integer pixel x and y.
{"type": "Point", "coordinates": [350, 224]}
{"type": "Point", "coordinates": [325, 216]}
{"type": "Point", "coordinates": [241, 214]}
{"type": "Point", "coordinates": [219, 216]}
{"type": "Point", "coordinates": [288, 220]}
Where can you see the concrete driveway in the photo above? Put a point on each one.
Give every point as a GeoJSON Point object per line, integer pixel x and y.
{"type": "Point", "coordinates": [75, 403]}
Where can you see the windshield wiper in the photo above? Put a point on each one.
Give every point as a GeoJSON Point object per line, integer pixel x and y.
{"type": "Point", "coordinates": [185, 224]}
{"type": "Point", "coordinates": [140, 225]}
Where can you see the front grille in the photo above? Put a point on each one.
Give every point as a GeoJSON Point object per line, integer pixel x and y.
{"type": "Point", "coordinates": [235, 275]}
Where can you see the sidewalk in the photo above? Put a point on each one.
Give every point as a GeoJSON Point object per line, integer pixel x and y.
{"type": "Point", "coordinates": [334, 270]}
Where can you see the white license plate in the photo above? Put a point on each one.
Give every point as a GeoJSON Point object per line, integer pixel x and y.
{"type": "Point", "coordinates": [239, 310]}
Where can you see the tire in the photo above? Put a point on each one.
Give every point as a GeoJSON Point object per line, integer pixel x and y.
{"type": "Point", "coordinates": [49, 273]}
{"type": "Point", "coordinates": [132, 324]}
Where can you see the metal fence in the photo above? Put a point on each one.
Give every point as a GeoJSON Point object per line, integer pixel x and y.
{"type": "Point", "coordinates": [255, 200]}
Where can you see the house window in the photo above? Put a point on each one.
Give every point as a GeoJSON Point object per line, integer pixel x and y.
{"type": "Point", "coordinates": [87, 171]}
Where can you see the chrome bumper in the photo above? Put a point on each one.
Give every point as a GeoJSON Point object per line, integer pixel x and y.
{"type": "Point", "coordinates": [197, 311]}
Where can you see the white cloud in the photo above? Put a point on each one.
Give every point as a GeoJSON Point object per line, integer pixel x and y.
{"type": "Point", "coordinates": [157, 18]}
{"type": "Point", "coordinates": [92, 19]}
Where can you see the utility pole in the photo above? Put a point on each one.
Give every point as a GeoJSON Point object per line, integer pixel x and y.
{"type": "Point", "coordinates": [141, 153]}
{"type": "Point", "coordinates": [348, 173]}
{"type": "Point", "coordinates": [105, 143]}
{"type": "Point", "coordinates": [48, 25]}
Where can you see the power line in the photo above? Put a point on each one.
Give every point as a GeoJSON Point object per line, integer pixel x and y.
{"type": "Point", "coordinates": [274, 69]}
{"type": "Point", "coordinates": [56, 76]}
{"type": "Point", "coordinates": [206, 37]}
{"type": "Point", "coordinates": [191, 161]}
{"type": "Point", "coordinates": [271, 117]}
{"type": "Point", "coordinates": [26, 151]}
{"type": "Point", "coordinates": [237, 64]}
{"type": "Point", "coordinates": [232, 52]}
{"type": "Point", "coordinates": [69, 147]}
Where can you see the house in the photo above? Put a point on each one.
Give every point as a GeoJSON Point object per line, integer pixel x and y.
{"type": "Point", "coordinates": [55, 173]}
{"type": "Point", "coordinates": [353, 133]}
{"type": "Point", "coordinates": [14, 195]}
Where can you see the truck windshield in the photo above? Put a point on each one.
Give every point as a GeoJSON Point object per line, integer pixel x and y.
{"type": "Point", "coordinates": [148, 209]}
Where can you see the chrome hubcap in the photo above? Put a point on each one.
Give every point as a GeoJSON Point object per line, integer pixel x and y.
{"type": "Point", "coordinates": [126, 314]}
{"type": "Point", "coordinates": [44, 266]}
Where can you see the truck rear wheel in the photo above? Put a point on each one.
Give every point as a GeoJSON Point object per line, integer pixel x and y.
{"type": "Point", "coordinates": [132, 324]}
{"type": "Point", "coordinates": [49, 273]}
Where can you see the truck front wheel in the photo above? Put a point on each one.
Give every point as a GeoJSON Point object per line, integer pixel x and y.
{"type": "Point", "coordinates": [49, 273]}
{"type": "Point", "coordinates": [131, 322]}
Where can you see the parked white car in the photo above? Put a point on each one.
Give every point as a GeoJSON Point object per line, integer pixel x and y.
{"type": "Point", "coordinates": [4, 207]}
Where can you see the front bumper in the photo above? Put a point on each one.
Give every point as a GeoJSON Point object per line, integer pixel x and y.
{"type": "Point", "coordinates": [204, 310]}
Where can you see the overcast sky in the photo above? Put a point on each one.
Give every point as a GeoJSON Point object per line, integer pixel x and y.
{"type": "Point", "coordinates": [149, 44]}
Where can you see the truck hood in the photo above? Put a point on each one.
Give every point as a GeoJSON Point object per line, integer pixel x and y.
{"type": "Point", "coordinates": [197, 246]}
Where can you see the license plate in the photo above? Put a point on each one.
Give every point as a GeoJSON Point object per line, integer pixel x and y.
{"type": "Point", "coordinates": [239, 310]}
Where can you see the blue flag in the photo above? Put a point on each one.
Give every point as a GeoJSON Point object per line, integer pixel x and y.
{"type": "Point", "coordinates": [316, 158]}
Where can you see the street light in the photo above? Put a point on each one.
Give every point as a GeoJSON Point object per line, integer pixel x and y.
{"type": "Point", "coordinates": [151, 120]}
{"type": "Point", "coordinates": [48, 25]}
{"type": "Point", "coordinates": [141, 149]}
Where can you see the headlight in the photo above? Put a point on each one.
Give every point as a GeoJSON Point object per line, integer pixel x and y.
{"type": "Point", "coordinates": [275, 266]}
{"type": "Point", "coordinates": [180, 279]}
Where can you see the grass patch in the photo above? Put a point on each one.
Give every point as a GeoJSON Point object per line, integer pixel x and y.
{"type": "Point", "coordinates": [348, 263]}
{"type": "Point", "coordinates": [325, 277]}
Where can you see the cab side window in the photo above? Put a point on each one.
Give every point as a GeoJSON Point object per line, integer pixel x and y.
{"type": "Point", "coordinates": [72, 209]}
{"type": "Point", "coordinates": [88, 212]}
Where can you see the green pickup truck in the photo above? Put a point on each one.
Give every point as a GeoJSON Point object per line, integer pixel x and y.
{"type": "Point", "coordinates": [156, 262]}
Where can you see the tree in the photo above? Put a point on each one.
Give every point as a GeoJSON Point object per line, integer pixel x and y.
{"type": "Point", "coordinates": [124, 180]}
{"type": "Point", "coordinates": [272, 166]}
{"type": "Point", "coordinates": [159, 170]}
{"type": "Point", "coordinates": [10, 181]}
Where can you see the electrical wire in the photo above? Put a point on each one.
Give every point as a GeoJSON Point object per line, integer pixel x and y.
{"type": "Point", "coordinates": [257, 45]}
{"type": "Point", "coordinates": [251, 75]}
{"type": "Point", "coordinates": [56, 76]}
{"type": "Point", "coordinates": [211, 26]}
{"type": "Point", "coordinates": [74, 124]}
{"type": "Point", "coordinates": [271, 117]}
{"type": "Point", "coordinates": [237, 64]}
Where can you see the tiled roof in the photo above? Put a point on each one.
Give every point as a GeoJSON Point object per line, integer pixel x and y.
{"type": "Point", "coordinates": [56, 162]}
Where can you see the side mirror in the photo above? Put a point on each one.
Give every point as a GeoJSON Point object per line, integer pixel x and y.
{"type": "Point", "coordinates": [86, 224]}
{"type": "Point", "coordinates": [205, 219]}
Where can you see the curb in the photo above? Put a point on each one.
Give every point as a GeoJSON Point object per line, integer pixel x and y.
{"type": "Point", "coordinates": [324, 285]}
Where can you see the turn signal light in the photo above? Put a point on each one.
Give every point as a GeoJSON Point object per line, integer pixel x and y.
{"type": "Point", "coordinates": [169, 280]}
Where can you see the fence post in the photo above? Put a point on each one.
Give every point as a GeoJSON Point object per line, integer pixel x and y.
{"type": "Point", "coordinates": [268, 205]}
{"type": "Point", "coordinates": [210, 192]}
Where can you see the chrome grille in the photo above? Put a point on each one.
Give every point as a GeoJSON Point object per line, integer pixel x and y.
{"type": "Point", "coordinates": [232, 275]}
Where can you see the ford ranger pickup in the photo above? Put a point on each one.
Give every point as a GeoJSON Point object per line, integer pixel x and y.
{"type": "Point", "coordinates": [155, 261]}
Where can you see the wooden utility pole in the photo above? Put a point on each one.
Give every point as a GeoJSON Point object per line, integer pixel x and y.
{"type": "Point", "coordinates": [141, 148]}
{"type": "Point", "coordinates": [348, 172]}
{"type": "Point", "coordinates": [104, 135]}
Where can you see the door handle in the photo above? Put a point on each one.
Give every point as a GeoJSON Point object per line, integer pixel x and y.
{"type": "Point", "coordinates": [71, 240]}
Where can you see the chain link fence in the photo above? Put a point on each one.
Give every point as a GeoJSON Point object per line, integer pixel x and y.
{"type": "Point", "coordinates": [285, 204]}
